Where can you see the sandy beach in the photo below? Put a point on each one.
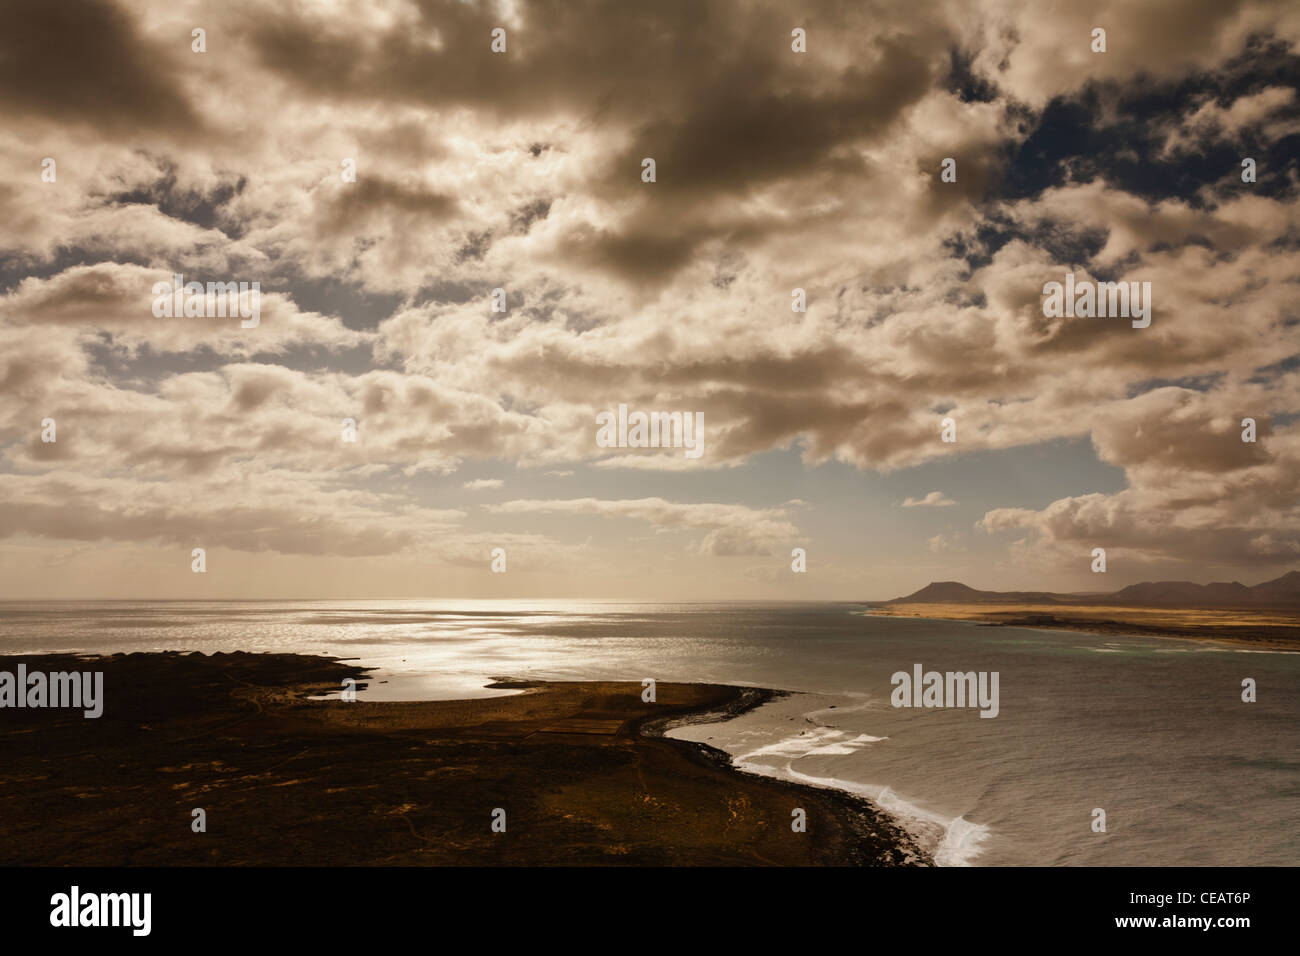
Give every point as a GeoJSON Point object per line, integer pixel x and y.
{"type": "Point", "coordinates": [1272, 630]}
{"type": "Point", "coordinates": [577, 767]}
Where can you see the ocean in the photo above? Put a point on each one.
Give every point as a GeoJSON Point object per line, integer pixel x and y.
{"type": "Point", "coordinates": [1151, 731]}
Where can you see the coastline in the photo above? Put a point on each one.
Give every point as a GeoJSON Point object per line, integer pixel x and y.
{"type": "Point", "coordinates": [1271, 631]}
{"type": "Point", "coordinates": [581, 769]}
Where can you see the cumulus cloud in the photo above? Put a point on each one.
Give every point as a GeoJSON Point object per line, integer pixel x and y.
{"type": "Point", "coordinates": [521, 172]}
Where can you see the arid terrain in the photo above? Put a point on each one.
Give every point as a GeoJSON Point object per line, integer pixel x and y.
{"type": "Point", "coordinates": [286, 780]}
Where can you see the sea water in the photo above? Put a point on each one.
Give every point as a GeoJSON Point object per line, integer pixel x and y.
{"type": "Point", "coordinates": [1152, 731]}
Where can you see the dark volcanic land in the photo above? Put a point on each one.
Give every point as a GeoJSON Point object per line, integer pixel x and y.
{"type": "Point", "coordinates": [290, 781]}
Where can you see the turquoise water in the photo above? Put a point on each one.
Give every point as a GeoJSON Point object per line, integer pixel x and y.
{"type": "Point", "coordinates": [1152, 731]}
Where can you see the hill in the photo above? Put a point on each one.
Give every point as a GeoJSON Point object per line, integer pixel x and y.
{"type": "Point", "coordinates": [1283, 592]}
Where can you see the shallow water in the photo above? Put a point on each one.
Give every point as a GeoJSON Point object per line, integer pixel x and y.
{"type": "Point", "coordinates": [1152, 731]}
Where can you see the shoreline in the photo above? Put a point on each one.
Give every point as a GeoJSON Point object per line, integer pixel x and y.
{"type": "Point", "coordinates": [867, 812]}
{"type": "Point", "coordinates": [910, 817]}
{"type": "Point", "coordinates": [1254, 635]}
{"type": "Point", "coordinates": [582, 771]}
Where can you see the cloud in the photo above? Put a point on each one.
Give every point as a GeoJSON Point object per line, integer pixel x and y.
{"type": "Point", "coordinates": [1198, 494]}
{"type": "Point", "coordinates": [944, 543]}
{"type": "Point", "coordinates": [776, 171]}
{"type": "Point", "coordinates": [91, 65]}
{"type": "Point", "coordinates": [733, 530]}
{"type": "Point", "coordinates": [115, 301]}
{"type": "Point", "coordinates": [66, 505]}
{"type": "Point", "coordinates": [935, 499]}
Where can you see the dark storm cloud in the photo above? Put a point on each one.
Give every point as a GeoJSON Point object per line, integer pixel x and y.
{"type": "Point", "coordinates": [569, 55]}
{"type": "Point", "coordinates": [522, 219]}
{"type": "Point", "coordinates": [641, 252]}
{"type": "Point", "coordinates": [87, 62]}
{"type": "Point", "coordinates": [372, 199]}
{"type": "Point", "coordinates": [711, 91]}
{"type": "Point", "coordinates": [741, 133]}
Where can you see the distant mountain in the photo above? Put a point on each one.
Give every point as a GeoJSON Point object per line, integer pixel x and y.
{"type": "Point", "coordinates": [1288, 585]}
{"type": "Point", "coordinates": [954, 592]}
{"type": "Point", "coordinates": [1283, 592]}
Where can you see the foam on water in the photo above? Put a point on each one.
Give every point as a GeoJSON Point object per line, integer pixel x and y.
{"type": "Point", "coordinates": [949, 841]}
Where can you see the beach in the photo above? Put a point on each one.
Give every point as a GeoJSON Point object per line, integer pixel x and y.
{"type": "Point", "coordinates": [579, 768]}
{"type": "Point", "coordinates": [1260, 629]}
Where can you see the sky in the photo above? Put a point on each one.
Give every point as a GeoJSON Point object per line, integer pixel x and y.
{"type": "Point", "coordinates": [379, 169]}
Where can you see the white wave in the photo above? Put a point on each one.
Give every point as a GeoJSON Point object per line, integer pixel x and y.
{"type": "Point", "coordinates": [845, 747]}
{"type": "Point", "coordinates": [799, 745]}
{"type": "Point", "coordinates": [951, 842]}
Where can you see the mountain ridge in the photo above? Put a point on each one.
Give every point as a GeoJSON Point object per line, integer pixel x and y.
{"type": "Point", "coordinates": [1281, 592]}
